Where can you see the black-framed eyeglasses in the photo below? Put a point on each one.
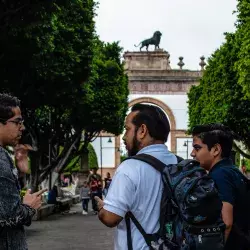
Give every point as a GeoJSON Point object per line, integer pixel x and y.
{"type": "Point", "coordinates": [18, 121]}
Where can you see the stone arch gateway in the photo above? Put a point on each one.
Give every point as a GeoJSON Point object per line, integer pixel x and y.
{"type": "Point", "coordinates": [165, 108]}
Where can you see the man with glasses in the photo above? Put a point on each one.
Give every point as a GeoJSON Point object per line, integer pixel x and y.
{"type": "Point", "coordinates": [14, 214]}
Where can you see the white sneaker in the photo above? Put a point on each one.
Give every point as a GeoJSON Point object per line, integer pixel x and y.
{"type": "Point", "coordinates": [84, 212]}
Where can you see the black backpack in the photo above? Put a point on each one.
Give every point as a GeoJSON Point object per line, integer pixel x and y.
{"type": "Point", "coordinates": [190, 215]}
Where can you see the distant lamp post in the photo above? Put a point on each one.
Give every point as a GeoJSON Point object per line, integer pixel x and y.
{"type": "Point", "coordinates": [186, 145]}
{"type": "Point", "coordinates": [101, 147]}
{"type": "Point", "coordinates": [110, 141]}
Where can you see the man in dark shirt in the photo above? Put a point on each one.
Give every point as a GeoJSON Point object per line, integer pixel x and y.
{"type": "Point", "coordinates": [14, 214]}
{"type": "Point", "coordinates": [212, 145]}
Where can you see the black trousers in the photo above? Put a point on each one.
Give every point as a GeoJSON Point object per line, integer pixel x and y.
{"type": "Point", "coordinates": [85, 204]}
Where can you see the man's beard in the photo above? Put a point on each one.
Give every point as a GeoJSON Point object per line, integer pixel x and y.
{"type": "Point", "coordinates": [135, 147]}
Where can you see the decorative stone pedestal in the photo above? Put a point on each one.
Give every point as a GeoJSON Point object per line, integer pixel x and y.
{"type": "Point", "coordinates": [150, 74]}
{"type": "Point", "coordinates": [153, 60]}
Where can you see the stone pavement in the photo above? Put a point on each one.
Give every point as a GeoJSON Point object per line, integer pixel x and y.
{"type": "Point", "coordinates": [70, 232]}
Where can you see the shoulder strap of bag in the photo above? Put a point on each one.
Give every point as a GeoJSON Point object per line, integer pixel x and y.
{"type": "Point", "coordinates": [159, 166]}
{"type": "Point", "coordinates": [129, 235]}
{"type": "Point", "coordinates": [147, 237]}
{"type": "Point", "coordinates": [151, 160]}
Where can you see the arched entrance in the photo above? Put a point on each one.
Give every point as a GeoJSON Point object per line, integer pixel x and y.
{"type": "Point", "coordinates": [166, 109]}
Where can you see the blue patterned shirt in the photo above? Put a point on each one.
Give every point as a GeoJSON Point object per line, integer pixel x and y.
{"type": "Point", "coordinates": [13, 214]}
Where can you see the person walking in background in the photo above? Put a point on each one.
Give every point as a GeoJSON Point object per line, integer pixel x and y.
{"type": "Point", "coordinates": [94, 186]}
{"type": "Point", "coordinates": [95, 183]}
{"type": "Point", "coordinates": [107, 182]}
{"type": "Point", "coordinates": [84, 195]}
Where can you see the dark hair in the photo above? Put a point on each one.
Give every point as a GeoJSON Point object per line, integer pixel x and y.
{"type": "Point", "coordinates": [154, 118]}
{"type": "Point", "coordinates": [7, 103]}
{"type": "Point", "coordinates": [216, 133]}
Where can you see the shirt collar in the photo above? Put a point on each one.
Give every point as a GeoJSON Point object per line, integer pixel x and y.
{"type": "Point", "coordinates": [153, 148]}
{"type": "Point", "coordinates": [222, 162]}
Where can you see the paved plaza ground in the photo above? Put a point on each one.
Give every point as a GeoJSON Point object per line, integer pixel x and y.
{"type": "Point", "coordinates": [71, 232]}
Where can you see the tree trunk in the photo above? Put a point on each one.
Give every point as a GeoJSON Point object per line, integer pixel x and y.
{"type": "Point", "coordinates": [61, 162]}
{"type": "Point", "coordinates": [84, 170]}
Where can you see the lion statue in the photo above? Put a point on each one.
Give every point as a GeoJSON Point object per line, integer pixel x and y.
{"type": "Point", "coordinates": [155, 40]}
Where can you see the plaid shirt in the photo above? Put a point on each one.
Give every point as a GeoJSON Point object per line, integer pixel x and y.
{"type": "Point", "coordinates": [13, 214]}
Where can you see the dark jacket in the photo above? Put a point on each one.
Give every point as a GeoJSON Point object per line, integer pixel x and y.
{"type": "Point", "coordinates": [13, 214]}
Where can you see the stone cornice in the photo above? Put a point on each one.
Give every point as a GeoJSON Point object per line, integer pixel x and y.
{"type": "Point", "coordinates": [166, 79]}
{"type": "Point", "coordinates": [177, 88]}
{"type": "Point", "coordinates": [171, 72]}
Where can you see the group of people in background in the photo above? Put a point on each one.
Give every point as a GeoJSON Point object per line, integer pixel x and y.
{"type": "Point", "coordinates": [94, 187]}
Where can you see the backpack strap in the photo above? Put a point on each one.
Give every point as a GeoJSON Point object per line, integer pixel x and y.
{"type": "Point", "coordinates": [151, 160]}
{"type": "Point", "coordinates": [161, 167]}
{"type": "Point", "coordinates": [169, 202]}
{"type": "Point", "coordinates": [146, 236]}
{"type": "Point", "coordinates": [129, 235]}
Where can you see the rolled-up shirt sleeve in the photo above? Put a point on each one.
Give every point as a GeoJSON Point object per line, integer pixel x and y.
{"type": "Point", "coordinates": [120, 194]}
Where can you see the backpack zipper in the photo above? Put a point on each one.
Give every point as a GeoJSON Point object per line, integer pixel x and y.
{"type": "Point", "coordinates": [200, 238]}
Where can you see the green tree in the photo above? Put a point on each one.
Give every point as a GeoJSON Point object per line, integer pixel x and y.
{"type": "Point", "coordinates": [107, 91]}
{"type": "Point", "coordinates": [71, 85]}
{"type": "Point", "coordinates": [243, 39]}
{"type": "Point", "coordinates": [45, 63]}
{"type": "Point", "coordinates": [246, 162]}
{"type": "Point", "coordinates": [93, 163]}
{"type": "Point", "coordinates": [75, 164]}
{"type": "Point", "coordinates": [219, 97]}
{"type": "Point", "coordinates": [224, 92]}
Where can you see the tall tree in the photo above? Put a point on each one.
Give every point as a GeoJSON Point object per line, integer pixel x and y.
{"type": "Point", "coordinates": [106, 104]}
{"type": "Point", "coordinates": [69, 83]}
{"type": "Point", "coordinates": [45, 63]}
{"type": "Point", "coordinates": [75, 165]}
{"type": "Point", "coordinates": [243, 39]}
{"type": "Point", "coordinates": [220, 97]}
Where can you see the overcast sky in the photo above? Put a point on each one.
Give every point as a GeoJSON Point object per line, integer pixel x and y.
{"type": "Point", "coordinates": [190, 28]}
